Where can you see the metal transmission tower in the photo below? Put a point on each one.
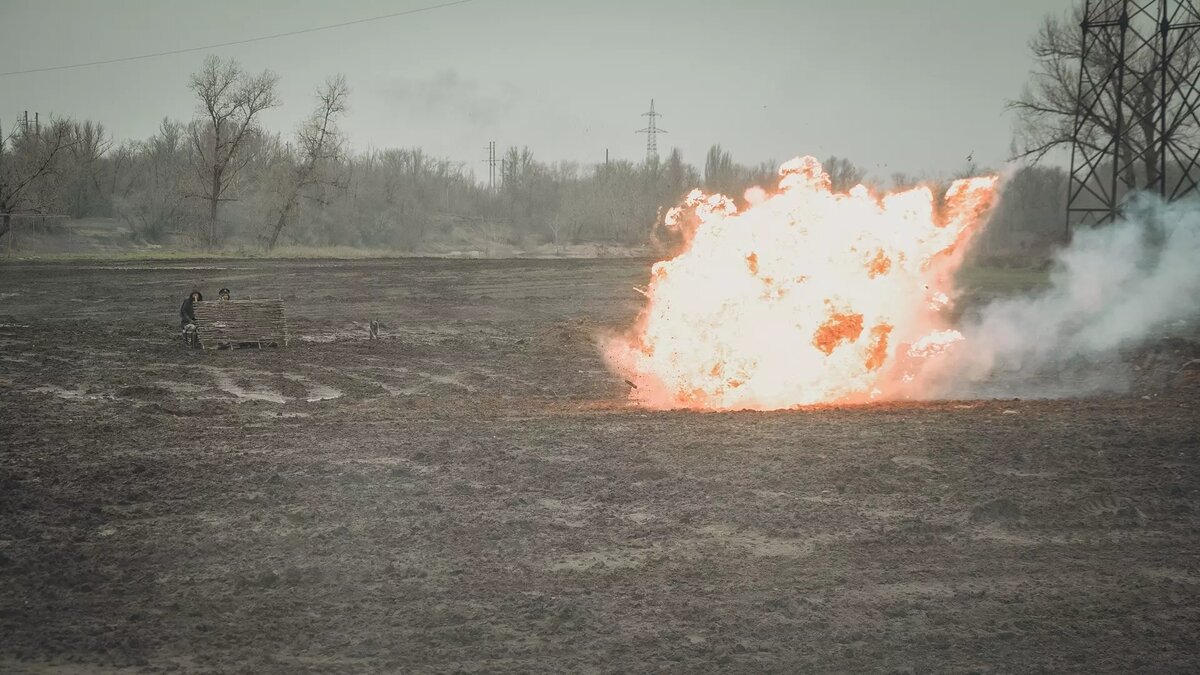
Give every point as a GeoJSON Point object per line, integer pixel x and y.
{"type": "Point", "coordinates": [491, 161]}
{"type": "Point", "coordinates": [652, 132]}
{"type": "Point", "coordinates": [1137, 116]}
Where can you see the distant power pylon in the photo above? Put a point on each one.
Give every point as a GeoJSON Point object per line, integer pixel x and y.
{"type": "Point", "coordinates": [652, 132]}
{"type": "Point", "coordinates": [1137, 99]}
{"type": "Point", "coordinates": [25, 125]}
{"type": "Point", "coordinates": [491, 161]}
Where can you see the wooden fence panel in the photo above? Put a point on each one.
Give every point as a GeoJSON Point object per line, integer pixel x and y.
{"type": "Point", "coordinates": [240, 323]}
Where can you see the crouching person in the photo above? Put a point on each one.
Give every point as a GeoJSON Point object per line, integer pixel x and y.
{"type": "Point", "coordinates": [187, 319]}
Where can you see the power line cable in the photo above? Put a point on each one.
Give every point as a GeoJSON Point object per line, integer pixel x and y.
{"type": "Point", "coordinates": [237, 42]}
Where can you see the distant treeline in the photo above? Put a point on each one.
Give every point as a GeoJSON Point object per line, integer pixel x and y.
{"type": "Point", "coordinates": [220, 180]}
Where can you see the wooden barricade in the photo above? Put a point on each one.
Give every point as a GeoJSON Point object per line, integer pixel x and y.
{"type": "Point", "coordinates": [240, 323]}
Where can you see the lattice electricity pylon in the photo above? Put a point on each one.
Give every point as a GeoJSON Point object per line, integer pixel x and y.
{"type": "Point", "coordinates": [652, 132]}
{"type": "Point", "coordinates": [491, 161]}
{"type": "Point", "coordinates": [1137, 118]}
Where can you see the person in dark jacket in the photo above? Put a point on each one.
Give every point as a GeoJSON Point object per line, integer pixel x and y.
{"type": "Point", "coordinates": [187, 318]}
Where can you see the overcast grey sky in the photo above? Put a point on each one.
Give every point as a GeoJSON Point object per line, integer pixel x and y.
{"type": "Point", "coordinates": [910, 86]}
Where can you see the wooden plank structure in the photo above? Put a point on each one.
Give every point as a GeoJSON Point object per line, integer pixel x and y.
{"type": "Point", "coordinates": [230, 324]}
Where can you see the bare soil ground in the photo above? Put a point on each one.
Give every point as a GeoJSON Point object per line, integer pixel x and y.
{"type": "Point", "coordinates": [471, 493]}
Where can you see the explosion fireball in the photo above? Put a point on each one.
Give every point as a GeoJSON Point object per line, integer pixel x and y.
{"type": "Point", "coordinates": [803, 296]}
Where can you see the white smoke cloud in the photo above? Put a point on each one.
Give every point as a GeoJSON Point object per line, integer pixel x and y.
{"type": "Point", "coordinates": [1113, 289]}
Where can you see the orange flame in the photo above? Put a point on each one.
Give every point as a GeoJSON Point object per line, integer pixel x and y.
{"type": "Point", "coordinates": [803, 296]}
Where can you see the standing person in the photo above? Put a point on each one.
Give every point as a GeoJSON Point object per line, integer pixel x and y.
{"type": "Point", "coordinates": [187, 317]}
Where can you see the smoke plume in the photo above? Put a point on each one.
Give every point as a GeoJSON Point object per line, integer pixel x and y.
{"type": "Point", "coordinates": [1113, 289]}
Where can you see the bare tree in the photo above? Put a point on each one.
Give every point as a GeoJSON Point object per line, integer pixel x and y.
{"type": "Point", "coordinates": [230, 102]}
{"type": "Point", "coordinates": [718, 170]}
{"type": "Point", "coordinates": [26, 161]}
{"type": "Point", "coordinates": [81, 183]}
{"type": "Point", "coordinates": [152, 204]}
{"type": "Point", "coordinates": [843, 174]}
{"type": "Point", "coordinates": [1048, 106]}
{"type": "Point", "coordinates": [320, 144]}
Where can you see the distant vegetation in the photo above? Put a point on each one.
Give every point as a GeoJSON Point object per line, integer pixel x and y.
{"type": "Point", "coordinates": [222, 182]}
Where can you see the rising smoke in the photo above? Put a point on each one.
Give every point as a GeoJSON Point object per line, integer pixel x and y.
{"type": "Point", "coordinates": [1113, 290]}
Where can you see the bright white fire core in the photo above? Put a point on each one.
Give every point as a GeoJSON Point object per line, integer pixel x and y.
{"type": "Point", "coordinates": [802, 296]}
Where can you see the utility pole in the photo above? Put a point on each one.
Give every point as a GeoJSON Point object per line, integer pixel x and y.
{"type": "Point", "coordinates": [23, 121]}
{"type": "Point", "coordinates": [652, 132]}
{"type": "Point", "coordinates": [491, 162]}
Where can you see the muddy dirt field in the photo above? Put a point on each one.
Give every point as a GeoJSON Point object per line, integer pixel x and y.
{"type": "Point", "coordinates": [471, 493]}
